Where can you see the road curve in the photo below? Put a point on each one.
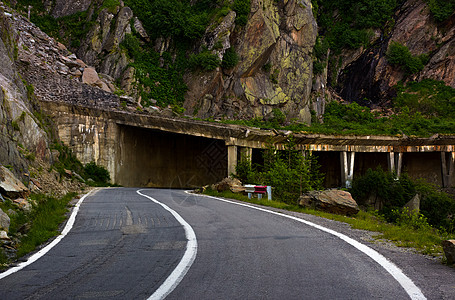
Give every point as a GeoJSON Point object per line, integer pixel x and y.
{"type": "Point", "coordinates": [125, 246]}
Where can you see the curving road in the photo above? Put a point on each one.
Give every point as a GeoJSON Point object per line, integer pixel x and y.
{"type": "Point", "coordinates": [126, 246]}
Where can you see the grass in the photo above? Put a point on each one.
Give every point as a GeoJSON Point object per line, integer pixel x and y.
{"type": "Point", "coordinates": [43, 222]}
{"type": "Point", "coordinates": [426, 241]}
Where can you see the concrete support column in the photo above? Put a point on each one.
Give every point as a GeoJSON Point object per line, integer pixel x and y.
{"type": "Point", "coordinates": [447, 168]}
{"type": "Point", "coordinates": [246, 153]}
{"type": "Point", "coordinates": [395, 162]}
{"type": "Point", "coordinates": [347, 168]}
{"type": "Point", "coordinates": [232, 159]}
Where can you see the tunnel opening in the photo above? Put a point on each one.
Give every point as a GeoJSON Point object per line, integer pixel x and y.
{"type": "Point", "coordinates": [153, 158]}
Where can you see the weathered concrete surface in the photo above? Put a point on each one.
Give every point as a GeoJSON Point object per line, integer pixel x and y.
{"type": "Point", "coordinates": [94, 135]}
{"type": "Point", "coordinates": [161, 159]}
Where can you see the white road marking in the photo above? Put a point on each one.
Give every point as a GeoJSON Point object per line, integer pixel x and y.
{"type": "Point", "coordinates": [411, 289]}
{"type": "Point", "coordinates": [185, 263]}
{"type": "Point", "coordinates": [69, 225]}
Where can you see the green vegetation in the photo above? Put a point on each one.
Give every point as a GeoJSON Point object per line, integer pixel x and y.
{"type": "Point", "coordinates": [160, 78]}
{"type": "Point", "coordinates": [230, 58]}
{"type": "Point", "coordinates": [205, 60]}
{"type": "Point", "coordinates": [346, 24]}
{"type": "Point", "coordinates": [75, 27]}
{"type": "Point", "coordinates": [97, 173]}
{"type": "Point", "coordinates": [437, 208]}
{"type": "Point", "coordinates": [420, 109]}
{"type": "Point", "coordinates": [242, 9]}
{"type": "Point", "coordinates": [441, 9]}
{"type": "Point", "coordinates": [68, 162]}
{"type": "Point", "coordinates": [289, 172]}
{"type": "Point", "coordinates": [399, 55]}
{"type": "Point", "coordinates": [37, 226]}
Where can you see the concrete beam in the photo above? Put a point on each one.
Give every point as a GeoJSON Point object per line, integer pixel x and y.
{"type": "Point", "coordinates": [447, 168]}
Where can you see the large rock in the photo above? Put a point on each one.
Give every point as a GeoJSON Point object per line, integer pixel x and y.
{"type": "Point", "coordinates": [332, 201]}
{"type": "Point", "coordinates": [229, 184]}
{"type": "Point", "coordinates": [4, 220]}
{"type": "Point", "coordinates": [10, 185]}
{"type": "Point", "coordinates": [449, 251]}
{"type": "Point", "coordinates": [65, 8]}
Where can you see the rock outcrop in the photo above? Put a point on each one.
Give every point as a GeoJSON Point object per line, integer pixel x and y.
{"type": "Point", "coordinates": [274, 70]}
{"type": "Point", "coordinates": [449, 251]}
{"type": "Point", "coordinates": [370, 75]}
{"type": "Point", "coordinates": [10, 185]}
{"type": "Point", "coordinates": [332, 201]}
{"type": "Point", "coordinates": [4, 221]}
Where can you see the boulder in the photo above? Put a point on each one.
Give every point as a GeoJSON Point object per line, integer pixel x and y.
{"type": "Point", "coordinates": [23, 204]}
{"type": "Point", "coordinates": [90, 77]}
{"type": "Point", "coordinates": [332, 201]}
{"type": "Point", "coordinates": [4, 236]}
{"type": "Point", "coordinates": [449, 251]}
{"type": "Point", "coordinates": [4, 220]}
{"type": "Point", "coordinates": [414, 204]}
{"type": "Point", "coordinates": [229, 184]}
{"type": "Point", "coordinates": [10, 185]}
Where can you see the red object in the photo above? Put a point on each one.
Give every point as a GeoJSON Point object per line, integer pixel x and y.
{"type": "Point", "coordinates": [260, 189]}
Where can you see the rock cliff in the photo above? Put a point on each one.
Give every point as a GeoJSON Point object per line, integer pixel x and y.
{"type": "Point", "coordinates": [370, 75]}
{"type": "Point", "coordinates": [274, 69]}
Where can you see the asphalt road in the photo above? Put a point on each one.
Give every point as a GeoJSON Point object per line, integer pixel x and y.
{"type": "Point", "coordinates": [124, 246]}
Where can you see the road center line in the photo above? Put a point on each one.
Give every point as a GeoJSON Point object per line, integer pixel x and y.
{"type": "Point", "coordinates": [69, 225]}
{"type": "Point", "coordinates": [185, 263]}
{"type": "Point", "coordinates": [413, 291]}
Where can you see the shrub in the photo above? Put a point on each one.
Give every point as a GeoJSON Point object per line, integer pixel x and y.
{"type": "Point", "coordinates": [242, 9]}
{"type": "Point", "coordinates": [205, 60]}
{"type": "Point", "coordinates": [288, 172]}
{"type": "Point", "coordinates": [230, 58]}
{"type": "Point", "coordinates": [436, 208]}
{"type": "Point", "coordinates": [98, 173]}
{"type": "Point", "coordinates": [441, 9]}
{"type": "Point", "coordinates": [399, 55]}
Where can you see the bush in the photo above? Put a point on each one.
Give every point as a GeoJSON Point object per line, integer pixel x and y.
{"type": "Point", "coordinates": [288, 172]}
{"type": "Point", "coordinates": [242, 9]}
{"type": "Point", "coordinates": [436, 208]}
{"type": "Point", "coordinates": [441, 9]}
{"type": "Point", "coordinates": [98, 173]}
{"type": "Point", "coordinates": [230, 58]}
{"type": "Point", "coordinates": [205, 60]}
{"type": "Point", "coordinates": [399, 55]}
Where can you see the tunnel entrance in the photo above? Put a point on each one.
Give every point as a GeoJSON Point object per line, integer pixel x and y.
{"type": "Point", "coordinates": [153, 158]}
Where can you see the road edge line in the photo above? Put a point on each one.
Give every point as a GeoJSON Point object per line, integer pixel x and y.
{"type": "Point", "coordinates": [173, 280]}
{"type": "Point", "coordinates": [408, 285]}
{"type": "Point", "coordinates": [69, 225]}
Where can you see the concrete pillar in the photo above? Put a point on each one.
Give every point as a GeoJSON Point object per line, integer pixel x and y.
{"type": "Point", "coordinates": [232, 159]}
{"type": "Point", "coordinates": [347, 168]}
{"type": "Point", "coordinates": [246, 153]}
{"type": "Point", "coordinates": [447, 168]}
{"type": "Point", "coordinates": [395, 162]}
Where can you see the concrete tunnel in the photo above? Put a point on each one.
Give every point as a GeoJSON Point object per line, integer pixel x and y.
{"type": "Point", "coordinates": [153, 158]}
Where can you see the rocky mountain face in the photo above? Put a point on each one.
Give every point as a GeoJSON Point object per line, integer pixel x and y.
{"type": "Point", "coordinates": [368, 73]}
{"type": "Point", "coordinates": [274, 69]}
{"type": "Point", "coordinates": [36, 67]}
{"type": "Point", "coordinates": [274, 50]}
{"type": "Point", "coordinates": [20, 129]}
